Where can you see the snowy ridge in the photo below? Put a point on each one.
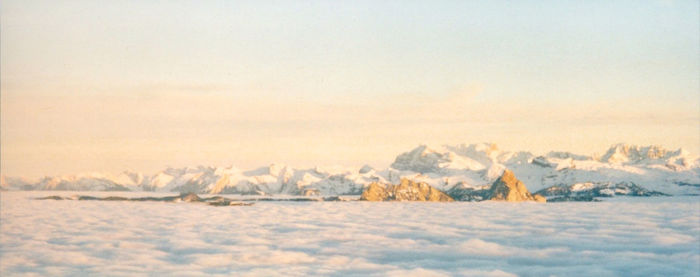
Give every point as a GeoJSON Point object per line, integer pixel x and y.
{"type": "Point", "coordinates": [466, 166]}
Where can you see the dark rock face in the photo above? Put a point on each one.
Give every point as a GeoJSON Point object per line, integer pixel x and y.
{"type": "Point", "coordinates": [184, 197]}
{"type": "Point", "coordinates": [407, 190]}
{"type": "Point", "coordinates": [52, 197]}
{"type": "Point", "coordinates": [589, 191]}
{"type": "Point", "coordinates": [573, 199]}
{"type": "Point", "coordinates": [227, 202]}
{"type": "Point", "coordinates": [461, 192]}
{"type": "Point", "coordinates": [542, 161]}
{"type": "Point", "coordinates": [510, 189]}
{"type": "Point", "coordinates": [365, 169]}
{"type": "Point", "coordinates": [310, 192]}
{"type": "Point", "coordinates": [115, 198]}
{"type": "Point", "coordinates": [190, 197]}
{"type": "Point", "coordinates": [688, 184]}
{"type": "Point", "coordinates": [117, 187]}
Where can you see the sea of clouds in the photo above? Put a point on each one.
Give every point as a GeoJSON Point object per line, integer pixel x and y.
{"type": "Point", "coordinates": [623, 237]}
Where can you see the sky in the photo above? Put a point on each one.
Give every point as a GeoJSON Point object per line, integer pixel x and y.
{"type": "Point", "coordinates": [109, 86]}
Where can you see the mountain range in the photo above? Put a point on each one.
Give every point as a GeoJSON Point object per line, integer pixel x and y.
{"type": "Point", "coordinates": [447, 167]}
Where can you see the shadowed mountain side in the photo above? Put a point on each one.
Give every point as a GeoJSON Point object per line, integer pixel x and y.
{"type": "Point", "coordinates": [185, 197]}
{"type": "Point", "coordinates": [590, 191]}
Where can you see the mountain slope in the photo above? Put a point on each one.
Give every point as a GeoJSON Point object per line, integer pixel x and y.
{"type": "Point", "coordinates": [448, 168]}
{"type": "Point", "coordinates": [406, 190]}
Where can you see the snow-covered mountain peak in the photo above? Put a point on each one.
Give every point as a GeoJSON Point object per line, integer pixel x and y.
{"type": "Point", "coordinates": [455, 158]}
{"type": "Point", "coordinates": [466, 166]}
{"type": "Point", "coordinates": [567, 155]}
{"type": "Point", "coordinates": [276, 169]}
{"type": "Point", "coordinates": [226, 170]}
{"type": "Point", "coordinates": [484, 153]}
{"type": "Point", "coordinates": [424, 159]}
{"type": "Point", "coordinates": [175, 171]}
{"type": "Point", "coordinates": [272, 169]}
{"type": "Point", "coordinates": [129, 177]}
{"type": "Point", "coordinates": [365, 169]}
{"type": "Point", "coordinates": [634, 154]}
{"type": "Point", "coordinates": [485, 147]}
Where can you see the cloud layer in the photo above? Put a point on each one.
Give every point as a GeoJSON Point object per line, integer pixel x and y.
{"type": "Point", "coordinates": [635, 237]}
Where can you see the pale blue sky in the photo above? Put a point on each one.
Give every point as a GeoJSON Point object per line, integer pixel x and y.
{"type": "Point", "coordinates": [243, 83]}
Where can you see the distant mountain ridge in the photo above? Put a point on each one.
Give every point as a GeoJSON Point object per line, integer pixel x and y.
{"type": "Point", "coordinates": [463, 166]}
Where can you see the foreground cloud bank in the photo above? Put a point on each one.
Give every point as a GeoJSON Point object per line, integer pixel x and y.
{"type": "Point", "coordinates": [623, 237]}
{"type": "Point", "coordinates": [623, 169]}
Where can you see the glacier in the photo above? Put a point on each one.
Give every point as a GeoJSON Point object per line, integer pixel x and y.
{"type": "Point", "coordinates": [673, 172]}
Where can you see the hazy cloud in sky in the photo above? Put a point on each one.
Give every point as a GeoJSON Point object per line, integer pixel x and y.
{"type": "Point", "coordinates": [108, 86]}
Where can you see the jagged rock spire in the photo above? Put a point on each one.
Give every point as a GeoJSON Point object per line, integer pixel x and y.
{"type": "Point", "coordinates": [508, 188]}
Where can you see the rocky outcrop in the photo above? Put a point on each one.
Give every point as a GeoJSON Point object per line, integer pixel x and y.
{"type": "Point", "coordinates": [590, 191]}
{"type": "Point", "coordinates": [463, 192]}
{"type": "Point", "coordinates": [407, 190]}
{"type": "Point", "coordinates": [505, 188]}
{"type": "Point", "coordinates": [510, 189]}
{"type": "Point", "coordinates": [183, 197]}
{"type": "Point", "coordinates": [539, 198]}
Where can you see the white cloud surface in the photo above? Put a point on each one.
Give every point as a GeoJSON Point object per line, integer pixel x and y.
{"type": "Point", "coordinates": [634, 237]}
